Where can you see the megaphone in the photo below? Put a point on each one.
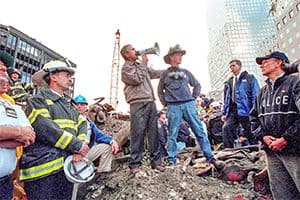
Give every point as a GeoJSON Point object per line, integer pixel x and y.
{"type": "Point", "coordinates": [291, 68]}
{"type": "Point", "coordinates": [153, 50]}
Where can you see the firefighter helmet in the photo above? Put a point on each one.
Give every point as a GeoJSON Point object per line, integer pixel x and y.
{"type": "Point", "coordinates": [79, 172]}
{"type": "Point", "coordinates": [80, 99]}
{"type": "Point", "coordinates": [14, 70]}
{"type": "Point", "coordinates": [50, 67]}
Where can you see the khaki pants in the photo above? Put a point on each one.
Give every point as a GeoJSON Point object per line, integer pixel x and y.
{"type": "Point", "coordinates": [105, 155]}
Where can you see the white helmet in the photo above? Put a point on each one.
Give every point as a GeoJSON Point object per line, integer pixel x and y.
{"type": "Point", "coordinates": [79, 172]}
{"type": "Point", "coordinates": [52, 66]}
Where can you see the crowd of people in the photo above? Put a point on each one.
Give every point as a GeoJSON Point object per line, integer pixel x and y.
{"type": "Point", "coordinates": [36, 138]}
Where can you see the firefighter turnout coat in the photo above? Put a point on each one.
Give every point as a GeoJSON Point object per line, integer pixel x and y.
{"type": "Point", "coordinates": [60, 132]}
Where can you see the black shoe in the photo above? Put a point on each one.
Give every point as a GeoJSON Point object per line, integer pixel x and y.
{"type": "Point", "coordinates": [212, 161]}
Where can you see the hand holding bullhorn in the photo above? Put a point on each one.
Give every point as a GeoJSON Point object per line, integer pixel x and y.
{"type": "Point", "coordinates": [153, 50]}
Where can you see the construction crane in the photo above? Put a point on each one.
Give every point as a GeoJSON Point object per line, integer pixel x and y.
{"type": "Point", "coordinates": [114, 79]}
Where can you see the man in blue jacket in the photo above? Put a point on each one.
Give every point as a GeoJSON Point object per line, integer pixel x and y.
{"type": "Point", "coordinates": [239, 95]}
{"type": "Point", "coordinates": [102, 146]}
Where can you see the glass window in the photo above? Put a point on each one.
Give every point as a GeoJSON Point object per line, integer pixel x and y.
{"type": "Point", "coordinates": [278, 26]}
{"type": "Point", "coordinates": [287, 30]}
{"type": "Point", "coordinates": [298, 6]}
{"type": "Point", "coordinates": [293, 51]}
{"type": "Point", "coordinates": [284, 20]}
{"type": "Point", "coordinates": [294, 24]}
{"type": "Point", "coordinates": [291, 13]}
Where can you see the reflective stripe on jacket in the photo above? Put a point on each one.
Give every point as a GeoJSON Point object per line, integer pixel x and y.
{"type": "Point", "coordinates": [276, 113]}
{"type": "Point", "coordinates": [60, 131]}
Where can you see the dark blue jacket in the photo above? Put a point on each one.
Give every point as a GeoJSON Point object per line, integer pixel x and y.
{"type": "Point", "coordinates": [98, 136]}
{"type": "Point", "coordinates": [276, 113]}
{"type": "Point", "coordinates": [246, 91]}
{"type": "Point", "coordinates": [174, 86]}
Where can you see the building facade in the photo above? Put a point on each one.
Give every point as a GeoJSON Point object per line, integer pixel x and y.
{"type": "Point", "coordinates": [29, 55]}
{"type": "Point", "coordinates": [287, 19]}
{"type": "Point", "coordinates": [244, 31]}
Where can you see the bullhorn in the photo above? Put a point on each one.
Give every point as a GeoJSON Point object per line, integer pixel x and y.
{"type": "Point", "coordinates": [153, 50]}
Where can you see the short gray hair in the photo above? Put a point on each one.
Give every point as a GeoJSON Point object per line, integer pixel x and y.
{"type": "Point", "coordinates": [124, 50]}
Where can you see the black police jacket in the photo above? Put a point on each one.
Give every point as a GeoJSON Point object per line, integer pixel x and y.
{"type": "Point", "coordinates": [276, 112]}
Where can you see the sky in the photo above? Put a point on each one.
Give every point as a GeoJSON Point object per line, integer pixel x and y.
{"type": "Point", "coordinates": [84, 32]}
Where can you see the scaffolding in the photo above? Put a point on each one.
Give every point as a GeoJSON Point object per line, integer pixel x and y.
{"type": "Point", "coordinates": [115, 71]}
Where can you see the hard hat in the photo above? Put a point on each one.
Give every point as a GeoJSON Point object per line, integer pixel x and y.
{"type": "Point", "coordinates": [50, 67]}
{"type": "Point", "coordinates": [79, 172]}
{"type": "Point", "coordinates": [80, 99]}
{"type": "Point", "coordinates": [14, 70]}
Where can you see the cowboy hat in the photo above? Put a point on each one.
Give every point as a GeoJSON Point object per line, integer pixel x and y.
{"type": "Point", "coordinates": [50, 67]}
{"type": "Point", "coordinates": [173, 50]}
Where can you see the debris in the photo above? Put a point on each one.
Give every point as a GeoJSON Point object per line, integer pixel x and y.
{"type": "Point", "coordinates": [181, 181]}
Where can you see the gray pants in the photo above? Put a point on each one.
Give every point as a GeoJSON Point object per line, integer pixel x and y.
{"type": "Point", "coordinates": [143, 123]}
{"type": "Point", "coordinates": [284, 175]}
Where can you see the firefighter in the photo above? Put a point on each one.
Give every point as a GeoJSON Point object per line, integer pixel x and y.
{"type": "Point", "coordinates": [19, 91]}
{"type": "Point", "coordinates": [60, 132]}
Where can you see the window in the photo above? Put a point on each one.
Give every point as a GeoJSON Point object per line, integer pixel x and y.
{"type": "Point", "coordinates": [293, 51]}
{"type": "Point", "coordinates": [284, 20]}
{"type": "Point", "coordinates": [298, 6]}
{"type": "Point", "coordinates": [291, 13]}
{"type": "Point", "coordinates": [287, 30]}
{"type": "Point", "coordinates": [278, 26]}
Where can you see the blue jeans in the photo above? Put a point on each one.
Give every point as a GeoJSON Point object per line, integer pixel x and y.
{"type": "Point", "coordinates": [188, 112]}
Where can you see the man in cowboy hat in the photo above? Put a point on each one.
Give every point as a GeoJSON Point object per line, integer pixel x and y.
{"type": "Point", "coordinates": [139, 94]}
{"type": "Point", "coordinates": [174, 92]}
{"type": "Point", "coordinates": [60, 132]}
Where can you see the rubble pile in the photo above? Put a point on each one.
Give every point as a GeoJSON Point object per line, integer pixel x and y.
{"type": "Point", "coordinates": [190, 178]}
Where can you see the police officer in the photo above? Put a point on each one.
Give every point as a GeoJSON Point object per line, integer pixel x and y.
{"type": "Point", "coordinates": [275, 121]}
{"type": "Point", "coordinates": [15, 131]}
